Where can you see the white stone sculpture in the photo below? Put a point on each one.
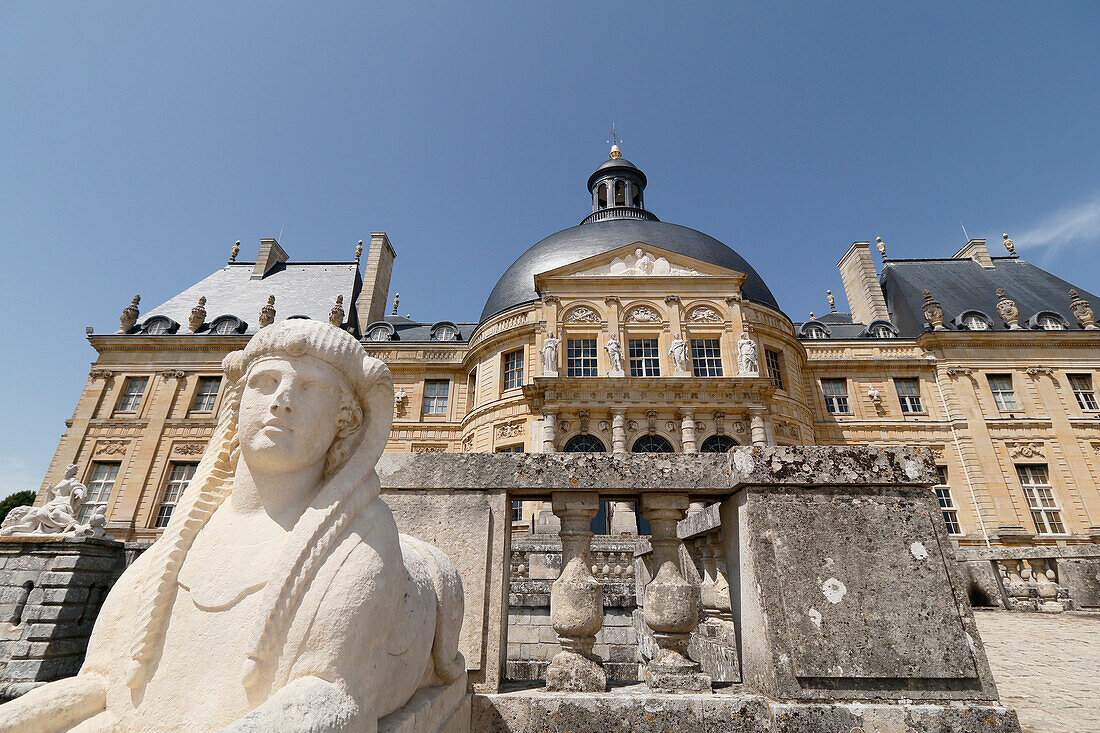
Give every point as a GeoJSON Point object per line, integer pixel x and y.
{"type": "Point", "coordinates": [280, 596]}
{"type": "Point", "coordinates": [57, 517]}
{"type": "Point", "coordinates": [681, 361]}
{"type": "Point", "coordinates": [640, 263]}
{"type": "Point", "coordinates": [400, 397]}
{"type": "Point", "coordinates": [747, 363]}
{"type": "Point", "coordinates": [876, 398]}
{"type": "Point", "coordinates": [550, 356]}
{"type": "Point", "coordinates": [614, 356]}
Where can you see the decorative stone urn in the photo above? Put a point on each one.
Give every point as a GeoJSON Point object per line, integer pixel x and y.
{"type": "Point", "coordinates": [1006, 308]}
{"type": "Point", "coordinates": [198, 315]}
{"type": "Point", "coordinates": [129, 315]}
{"type": "Point", "coordinates": [1082, 311]}
{"type": "Point", "coordinates": [933, 313]}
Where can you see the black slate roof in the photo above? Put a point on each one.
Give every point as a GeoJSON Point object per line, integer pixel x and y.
{"type": "Point", "coordinates": [517, 285]}
{"type": "Point", "coordinates": [962, 284]}
{"type": "Point", "coordinates": [408, 331]}
{"type": "Point", "coordinates": [300, 289]}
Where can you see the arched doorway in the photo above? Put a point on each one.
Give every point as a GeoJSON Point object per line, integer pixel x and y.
{"type": "Point", "coordinates": [584, 443]}
{"type": "Point", "coordinates": [651, 444]}
{"type": "Point", "coordinates": [718, 444]}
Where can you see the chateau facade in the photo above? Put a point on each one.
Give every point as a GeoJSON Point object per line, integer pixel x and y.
{"type": "Point", "coordinates": [628, 334]}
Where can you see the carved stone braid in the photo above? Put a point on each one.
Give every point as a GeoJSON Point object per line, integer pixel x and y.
{"type": "Point", "coordinates": [211, 485]}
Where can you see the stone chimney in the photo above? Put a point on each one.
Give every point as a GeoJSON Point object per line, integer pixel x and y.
{"type": "Point", "coordinates": [376, 280]}
{"type": "Point", "coordinates": [975, 250]}
{"type": "Point", "coordinates": [857, 272]}
{"type": "Point", "coordinates": [271, 254]}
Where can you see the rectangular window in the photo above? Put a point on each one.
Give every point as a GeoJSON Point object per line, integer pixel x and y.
{"type": "Point", "coordinates": [100, 484]}
{"type": "Point", "coordinates": [132, 391]}
{"type": "Point", "coordinates": [1040, 498]}
{"type": "Point", "coordinates": [179, 475]}
{"type": "Point", "coordinates": [775, 371]}
{"type": "Point", "coordinates": [471, 390]}
{"type": "Point", "coordinates": [1082, 390]}
{"type": "Point", "coordinates": [947, 505]}
{"type": "Point", "coordinates": [511, 449]}
{"type": "Point", "coordinates": [207, 394]}
{"type": "Point", "coordinates": [513, 369]}
{"type": "Point", "coordinates": [706, 358]}
{"type": "Point", "coordinates": [645, 360]}
{"type": "Point", "coordinates": [517, 511]}
{"type": "Point", "coordinates": [581, 357]}
{"type": "Point", "coordinates": [1003, 396]}
{"type": "Point", "coordinates": [435, 396]}
{"type": "Point", "coordinates": [909, 395]}
{"type": "Point", "coordinates": [836, 395]}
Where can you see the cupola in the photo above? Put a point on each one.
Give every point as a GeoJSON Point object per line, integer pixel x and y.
{"type": "Point", "coordinates": [617, 187]}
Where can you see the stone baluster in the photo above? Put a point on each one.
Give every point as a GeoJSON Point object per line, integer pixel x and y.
{"type": "Point", "coordinates": [756, 426]}
{"type": "Point", "coordinates": [687, 431]}
{"type": "Point", "coordinates": [576, 599]}
{"type": "Point", "coordinates": [549, 431]}
{"type": "Point", "coordinates": [671, 603]}
{"type": "Point", "coordinates": [618, 431]}
{"type": "Point", "coordinates": [623, 518]}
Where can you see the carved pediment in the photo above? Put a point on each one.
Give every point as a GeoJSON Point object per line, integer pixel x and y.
{"type": "Point", "coordinates": [640, 259]}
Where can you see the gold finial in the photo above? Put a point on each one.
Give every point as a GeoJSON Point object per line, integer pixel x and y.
{"type": "Point", "coordinates": [1009, 244]}
{"type": "Point", "coordinates": [396, 300]}
{"type": "Point", "coordinates": [235, 251]}
{"type": "Point", "coordinates": [359, 250]}
{"type": "Point", "coordinates": [615, 153]}
{"type": "Point", "coordinates": [881, 246]}
{"type": "Point", "coordinates": [832, 301]}
{"type": "Point", "coordinates": [812, 315]}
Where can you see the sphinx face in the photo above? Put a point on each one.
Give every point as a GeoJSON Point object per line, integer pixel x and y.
{"type": "Point", "coordinates": [288, 414]}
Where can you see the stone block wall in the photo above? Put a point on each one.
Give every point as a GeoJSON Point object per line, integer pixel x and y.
{"type": "Point", "coordinates": [50, 594]}
{"type": "Point", "coordinates": [532, 643]}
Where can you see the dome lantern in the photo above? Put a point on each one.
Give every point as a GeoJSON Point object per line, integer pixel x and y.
{"type": "Point", "coordinates": [617, 189]}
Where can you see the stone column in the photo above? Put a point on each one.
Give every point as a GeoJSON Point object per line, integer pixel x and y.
{"type": "Point", "coordinates": [549, 430]}
{"type": "Point", "coordinates": [687, 431]}
{"type": "Point", "coordinates": [623, 518]}
{"type": "Point", "coordinates": [756, 426]}
{"type": "Point", "coordinates": [576, 600]}
{"type": "Point", "coordinates": [671, 603]}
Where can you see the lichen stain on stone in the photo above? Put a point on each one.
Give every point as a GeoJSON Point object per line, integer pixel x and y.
{"type": "Point", "coordinates": [834, 590]}
{"type": "Point", "coordinates": [918, 551]}
{"type": "Point", "coordinates": [815, 617]}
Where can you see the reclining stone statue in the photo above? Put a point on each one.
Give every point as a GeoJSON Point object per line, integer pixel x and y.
{"type": "Point", "coordinates": [281, 596]}
{"type": "Point", "coordinates": [58, 516]}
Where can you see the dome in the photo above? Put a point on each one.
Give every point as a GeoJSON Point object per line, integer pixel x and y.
{"type": "Point", "coordinates": [517, 285]}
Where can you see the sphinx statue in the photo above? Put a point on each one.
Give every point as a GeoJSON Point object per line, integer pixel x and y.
{"type": "Point", "coordinates": [281, 596]}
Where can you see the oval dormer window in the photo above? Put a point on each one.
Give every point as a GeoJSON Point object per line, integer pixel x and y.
{"type": "Point", "coordinates": [882, 332]}
{"type": "Point", "coordinates": [227, 326]}
{"type": "Point", "coordinates": [975, 322]}
{"type": "Point", "coordinates": [444, 331]}
{"type": "Point", "coordinates": [1050, 323]}
{"type": "Point", "coordinates": [158, 326]}
{"type": "Point", "coordinates": [816, 332]}
{"type": "Point", "coordinates": [379, 333]}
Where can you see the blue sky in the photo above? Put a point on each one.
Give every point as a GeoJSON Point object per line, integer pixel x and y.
{"type": "Point", "coordinates": [139, 140]}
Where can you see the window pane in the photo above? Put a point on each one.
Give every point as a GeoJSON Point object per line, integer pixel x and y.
{"type": "Point", "coordinates": [775, 371]}
{"type": "Point", "coordinates": [131, 394]}
{"type": "Point", "coordinates": [645, 361]}
{"type": "Point", "coordinates": [179, 476]}
{"type": "Point", "coordinates": [513, 369]}
{"type": "Point", "coordinates": [706, 358]}
{"type": "Point", "coordinates": [581, 356]}
{"type": "Point", "coordinates": [909, 395]}
{"type": "Point", "coordinates": [1040, 498]}
{"type": "Point", "coordinates": [1001, 387]}
{"type": "Point", "coordinates": [836, 395]}
{"type": "Point", "coordinates": [435, 396]}
{"type": "Point", "coordinates": [206, 394]}
{"type": "Point", "coordinates": [1082, 390]}
{"type": "Point", "coordinates": [100, 484]}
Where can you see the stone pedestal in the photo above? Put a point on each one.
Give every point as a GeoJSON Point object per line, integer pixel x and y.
{"type": "Point", "coordinates": [576, 600]}
{"type": "Point", "coordinates": [50, 594]}
{"type": "Point", "coordinates": [671, 606]}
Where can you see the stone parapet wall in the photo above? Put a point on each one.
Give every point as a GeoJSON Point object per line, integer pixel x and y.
{"type": "Point", "coordinates": [532, 643]}
{"type": "Point", "coordinates": [51, 591]}
{"type": "Point", "coordinates": [1045, 578]}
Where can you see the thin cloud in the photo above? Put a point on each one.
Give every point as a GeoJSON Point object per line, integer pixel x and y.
{"type": "Point", "coordinates": [1073, 226]}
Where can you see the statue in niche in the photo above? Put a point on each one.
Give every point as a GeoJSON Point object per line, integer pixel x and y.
{"type": "Point", "coordinates": [57, 517]}
{"type": "Point", "coordinates": [281, 596]}
{"type": "Point", "coordinates": [614, 355]}
{"type": "Point", "coordinates": [679, 352]}
{"type": "Point", "coordinates": [550, 354]}
{"type": "Point", "coordinates": [747, 362]}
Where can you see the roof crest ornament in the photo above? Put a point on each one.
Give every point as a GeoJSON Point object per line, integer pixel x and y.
{"type": "Point", "coordinates": [1007, 310]}
{"type": "Point", "coordinates": [1082, 311]}
{"type": "Point", "coordinates": [1009, 245]}
{"type": "Point", "coordinates": [615, 153]}
{"type": "Point", "coordinates": [831, 300]}
{"type": "Point", "coordinates": [358, 251]}
{"type": "Point", "coordinates": [236, 250]}
{"type": "Point", "coordinates": [881, 247]}
{"type": "Point", "coordinates": [396, 301]}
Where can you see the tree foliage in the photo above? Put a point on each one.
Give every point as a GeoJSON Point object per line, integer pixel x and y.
{"type": "Point", "coordinates": [19, 498]}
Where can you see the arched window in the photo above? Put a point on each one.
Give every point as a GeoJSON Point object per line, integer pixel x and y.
{"type": "Point", "coordinates": [1049, 322]}
{"type": "Point", "coordinates": [601, 195]}
{"type": "Point", "coordinates": [584, 444]}
{"type": "Point", "coordinates": [976, 323]}
{"type": "Point", "coordinates": [379, 333]}
{"type": "Point", "coordinates": [651, 444]}
{"type": "Point", "coordinates": [816, 332]}
{"type": "Point", "coordinates": [718, 444]}
{"type": "Point", "coordinates": [226, 325]}
{"type": "Point", "coordinates": [882, 332]}
{"type": "Point", "coordinates": [620, 193]}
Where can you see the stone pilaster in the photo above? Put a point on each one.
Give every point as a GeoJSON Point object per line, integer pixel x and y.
{"type": "Point", "coordinates": [549, 431]}
{"type": "Point", "coordinates": [624, 521]}
{"type": "Point", "coordinates": [576, 600]}
{"type": "Point", "coordinates": [671, 605]}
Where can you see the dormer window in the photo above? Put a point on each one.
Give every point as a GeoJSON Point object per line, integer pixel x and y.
{"type": "Point", "coordinates": [379, 333]}
{"type": "Point", "coordinates": [159, 326]}
{"type": "Point", "coordinates": [444, 331]}
{"type": "Point", "coordinates": [816, 332]}
{"type": "Point", "coordinates": [227, 326]}
{"type": "Point", "coordinates": [1050, 323]}
{"type": "Point", "coordinates": [882, 332]}
{"type": "Point", "coordinates": [975, 323]}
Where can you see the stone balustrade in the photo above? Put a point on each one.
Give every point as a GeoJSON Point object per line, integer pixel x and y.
{"type": "Point", "coordinates": [1050, 579]}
